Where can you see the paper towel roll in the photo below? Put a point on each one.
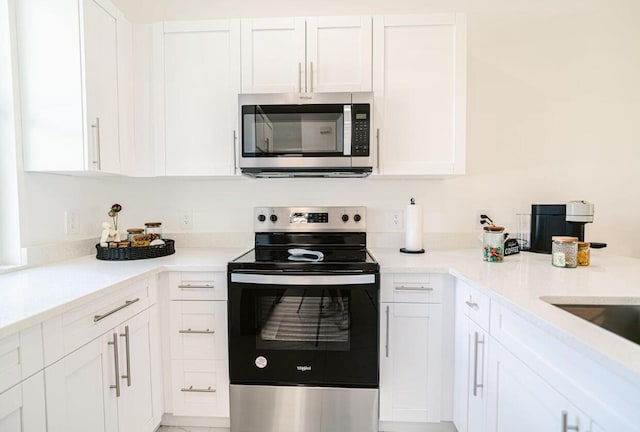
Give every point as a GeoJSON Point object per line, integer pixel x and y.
{"type": "Point", "coordinates": [413, 228]}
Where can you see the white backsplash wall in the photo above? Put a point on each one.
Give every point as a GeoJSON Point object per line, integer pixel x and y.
{"type": "Point", "coordinates": [552, 108]}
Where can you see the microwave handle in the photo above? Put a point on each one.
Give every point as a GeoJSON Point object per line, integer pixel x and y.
{"type": "Point", "coordinates": [347, 131]}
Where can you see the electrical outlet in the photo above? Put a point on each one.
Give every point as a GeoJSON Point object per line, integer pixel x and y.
{"type": "Point", "coordinates": [396, 219]}
{"type": "Point", "coordinates": [70, 222]}
{"type": "Point", "coordinates": [186, 220]}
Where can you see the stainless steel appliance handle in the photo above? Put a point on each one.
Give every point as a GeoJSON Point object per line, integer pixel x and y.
{"type": "Point", "coordinates": [189, 331]}
{"type": "Point", "coordinates": [114, 342]}
{"type": "Point", "coordinates": [413, 288]}
{"type": "Point", "coordinates": [192, 286]}
{"type": "Point", "coordinates": [125, 335]}
{"type": "Point", "coordinates": [565, 424]}
{"type": "Point", "coordinates": [386, 343]}
{"type": "Point", "coordinates": [311, 77]}
{"type": "Point", "coordinates": [299, 77]}
{"type": "Point", "coordinates": [197, 390]}
{"type": "Point", "coordinates": [273, 279]}
{"type": "Point", "coordinates": [347, 130]}
{"type": "Point", "coordinates": [127, 303]}
{"type": "Point", "coordinates": [97, 160]}
{"type": "Point", "coordinates": [476, 386]}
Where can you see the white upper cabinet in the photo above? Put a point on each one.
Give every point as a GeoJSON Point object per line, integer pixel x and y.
{"type": "Point", "coordinates": [305, 55]}
{"type": "Point", "coordinates": [69, 78]}
{"type": "Point", "coordinates": [198, 70]}
{"type": "Point", "coordinates": [419, 84]}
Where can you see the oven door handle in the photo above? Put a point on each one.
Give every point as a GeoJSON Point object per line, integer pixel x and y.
{"type": "Point", "coordinates": [315, 279]}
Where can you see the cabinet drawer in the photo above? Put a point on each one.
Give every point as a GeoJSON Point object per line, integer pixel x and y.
{"type": "Point", "coordinates": [198, 286]}
{"type": "Point", "coordinates": [76, 327]}
{"type": "Point", "coordinates": [198, 330]}
{"type": "Point", "coordinates": [473, 303]}
{"type": "Point", "coordinates": [20, 356]}
{"type": "Point", "coordinates": [413, 287]}
{"type": "Point", "coordinates": [200, 388]}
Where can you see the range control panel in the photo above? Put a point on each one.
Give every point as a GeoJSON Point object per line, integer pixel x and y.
{"type": "Point", "coordinates": [320, 219]}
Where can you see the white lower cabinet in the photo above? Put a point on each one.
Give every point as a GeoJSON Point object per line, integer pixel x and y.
{"type": "Point", "coordinates": [198, 345]}
{"type": "Point", "coordinates": [106, 385]}
{"type": "Point", "coordinates": [22, 407]}
{"type": "Point", "coordinates": [524, 402]}
{"type": "Point", "coordinates": [415, 354]}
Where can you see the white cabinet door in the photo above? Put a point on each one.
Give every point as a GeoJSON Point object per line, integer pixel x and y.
{"type": "Point", "coordinates": [522, 401]}
{"type": "Point", "coordinates": [199, 88]}
{"type": "Point", "coordinates": [419, 83]}
{"type": "Point", "coordinates": [410, 362]}
{"type": "Point", "coordinates": [300, 55]}
{"type": "Point", "coordinates": [273, 55]}
{"type": "Point", "coordinates": [101, 84]}
{"type": "Point", "coordinates": [22, 408]}
{"type": "Point", "coordinates": [338, 54]}
{"type": "Point", "coordinates": [135, 405]}
{"type": "Point", "coordinates": [78, 389]}
{"type": "Point", "coordinates": [69, 85]}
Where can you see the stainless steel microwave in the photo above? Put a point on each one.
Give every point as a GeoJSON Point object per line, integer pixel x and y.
{"type": "Point", "coordinates": [306, 135]}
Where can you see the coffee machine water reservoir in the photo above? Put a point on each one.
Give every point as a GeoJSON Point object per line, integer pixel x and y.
{"type": "Point", "coordinates": [549, 220]}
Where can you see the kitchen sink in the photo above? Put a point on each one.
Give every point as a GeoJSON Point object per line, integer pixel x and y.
{"type": "Point", "coordinates": [623, 320]}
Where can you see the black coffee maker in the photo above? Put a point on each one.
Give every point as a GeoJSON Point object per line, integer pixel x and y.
{"type": "Point", "coordinates": [548, 220]}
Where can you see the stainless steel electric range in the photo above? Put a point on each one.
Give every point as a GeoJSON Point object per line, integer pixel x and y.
{"type": "Point", "coordinates": [303, 324]}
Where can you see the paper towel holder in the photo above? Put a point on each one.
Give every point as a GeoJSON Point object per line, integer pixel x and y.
{"type": "Point", "coordinates": [405, 250]}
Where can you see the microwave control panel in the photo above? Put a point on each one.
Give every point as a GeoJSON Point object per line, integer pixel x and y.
{"type": "Point", "coordinates": [361, 129]}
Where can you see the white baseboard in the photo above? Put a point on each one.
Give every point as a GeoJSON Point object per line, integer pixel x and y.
{"type": "Point", "coordinates": [220, 424]}
{"type": "Point", "coordinates": [416, 427]}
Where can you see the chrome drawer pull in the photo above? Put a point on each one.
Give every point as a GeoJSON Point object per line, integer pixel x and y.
{"type": "Point", "coordinates": [196, 390]}
{"type": "Point", "coordinates": [189, 331]}
{"type": "Point", "coordinates": [565, 424]}
{"type": "Point", "coordinates": [414, 288]}
{"type": "Point", "coordinates": [472, 305]}
{"type": "Point", "coordinates": [190, 286]}
{"type": "Point", "coordinates": [97, 318]}
{"type": "Point", "coordinates": [476, 385]}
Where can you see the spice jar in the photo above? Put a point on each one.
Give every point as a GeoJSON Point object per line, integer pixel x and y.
{"type": "Point", "coordinates": [153, 230]}
{"type": "Point", "coordinates": [131, 232]}
{"type": "Point", "coordinates": [493, 244]}
{"type": "Point", "coordinates": [584, 253]}
{"type": "Point", "coordinates": [564, 251]}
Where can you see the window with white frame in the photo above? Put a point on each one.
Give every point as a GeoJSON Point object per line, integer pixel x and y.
{"type": "Point", "coordinates": [9, 213]}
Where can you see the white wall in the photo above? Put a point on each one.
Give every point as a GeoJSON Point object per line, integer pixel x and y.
{"type": "Point", "coordinates": [553, 109]}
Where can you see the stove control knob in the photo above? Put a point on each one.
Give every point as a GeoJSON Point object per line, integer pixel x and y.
{"type": "Point", "coordinates": [357, 218]}
{"type": "Point", "coordinates": [345, 217]}
{"type": "Point", "coordinates": [273, 218]}
{"type": "Point", "coordinates": [262, 218]}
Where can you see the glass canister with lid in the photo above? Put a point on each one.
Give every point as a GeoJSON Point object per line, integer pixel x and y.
{"type": "Point", "coordinates": [584, 253]}
{"type": "Point", "coordinates": [153, 230]}
{"type": "Point", "coordinates": [493, 244]}
{"type": "Point", "coordinates": [564, 251]}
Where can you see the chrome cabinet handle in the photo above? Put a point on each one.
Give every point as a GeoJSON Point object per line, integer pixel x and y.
{"type": "Point", "coordinates": [386, 345]}
{"type": "Point", "coordinates": [565, 424]}
{"type": "Point", "coordinates": [197, 390]}
{"type": "Point", "coordinates": [299, 77]}
{"type": "Point", "coordinates": [189, 331]}
{"type": "Point", "coordinates": [192, 286]}
{"type": "Point", "coordinates": [235, 151]}
{"type": "Point", "coordinates": [476, 386]}
{"type": "Point", "coordinates": [472, 305]}
{"type": "Point", "coordinates": [378, 148]}
{"type": "Point", "coordinates": [114, 342]}
{"type": "Point", "coordinates": [311, 77]}
{"type": "Point", "coordinates": [125, 335]}
{"type": "Point", "coordinates": [127, 303]}
{"type": "Point", "coordinates": [97, 158]}
{"type": "Point", "coordinates": [414, 288]}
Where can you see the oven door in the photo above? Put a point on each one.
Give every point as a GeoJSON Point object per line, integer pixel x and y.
{"type": "Point", "coordinates": [304, 329]}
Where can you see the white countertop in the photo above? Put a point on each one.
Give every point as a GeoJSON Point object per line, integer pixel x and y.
{"type": "Point", "coordinates": [521, 280]}
{"type": "Point", "coordinates": [31, 296]}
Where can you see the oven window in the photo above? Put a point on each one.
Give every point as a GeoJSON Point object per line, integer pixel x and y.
{"type": "Point", "coordinates": [307, 320]}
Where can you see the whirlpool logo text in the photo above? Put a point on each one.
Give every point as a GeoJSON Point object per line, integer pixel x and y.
{"type": "Point", "coordinates": [303, 368]}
